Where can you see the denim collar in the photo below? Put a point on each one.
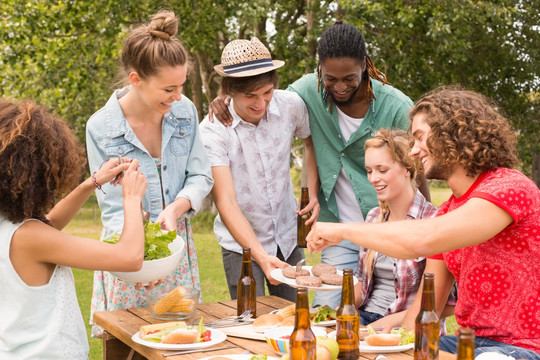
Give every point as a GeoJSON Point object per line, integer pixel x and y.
{"type": "Point", "coordinates": [113, 113]}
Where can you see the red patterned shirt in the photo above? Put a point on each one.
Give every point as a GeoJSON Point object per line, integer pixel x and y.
{"type": "Point", "coordinates": [499, 279]}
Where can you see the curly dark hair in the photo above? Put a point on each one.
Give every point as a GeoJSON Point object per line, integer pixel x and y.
{"type": "Point", "coordinates": [40, 159]}
{"type": "Point", "coordinates": [467, 130]}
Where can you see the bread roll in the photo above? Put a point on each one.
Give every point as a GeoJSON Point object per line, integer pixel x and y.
{"type": "Point", "coordinates": [383, 339]}
{"type": "Point", "coordinates": [288, 321]}
{"type": "Point", "coordinates": [181, 336]}
{"type": "Point", "coordinates": [151, 328]}
{"type": "Point", "coordinates": [266, 321]}
{"type": "Point", "coordinates": [287, 311]}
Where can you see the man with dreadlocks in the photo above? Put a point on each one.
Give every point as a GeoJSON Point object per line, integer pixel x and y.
{"type": "Point", "coordinates": [348, 101]}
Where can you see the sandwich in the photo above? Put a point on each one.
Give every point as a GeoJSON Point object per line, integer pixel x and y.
{"type": "Point", "coordinates": [175, 333]}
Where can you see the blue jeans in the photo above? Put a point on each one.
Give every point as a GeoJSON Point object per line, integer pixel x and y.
{"type": "Point", "coordinates": [481, 345]}
{"type": "Point", "coordinates": [367, 317]}
{"type": "Point", "coordinates": [342, 256]}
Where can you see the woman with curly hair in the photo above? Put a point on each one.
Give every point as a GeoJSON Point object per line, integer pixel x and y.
{"type": "Point", "coordinates": [487, 233]}
{"type": "Point", "coordinates": [41, 162]}
{"type": "Point", "coordinates": [151, 121]}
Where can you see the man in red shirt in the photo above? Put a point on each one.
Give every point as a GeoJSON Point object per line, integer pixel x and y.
{"type": "Point", "coordinates": [487, 233]}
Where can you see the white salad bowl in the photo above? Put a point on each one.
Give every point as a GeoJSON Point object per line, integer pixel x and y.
{"type": "Point", "coordinates": [153, 270]}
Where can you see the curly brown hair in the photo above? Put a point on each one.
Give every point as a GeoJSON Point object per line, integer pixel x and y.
{"type": "Point", "coordinates": [467, 130]}
{"type": "Point", "coordinates": [40, 159]}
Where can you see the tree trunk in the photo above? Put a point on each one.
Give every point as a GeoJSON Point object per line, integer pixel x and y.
{"type": "Point", "coordinates": [207, 75]}
{"type": "Point", "coordinates": [535, 172]}
{"type": "Point", "coordinates": [196, 86]}
{"type": "Point", "coordinates": [312, 9]}
{"type": "Point", "coordinates": [208, 205]}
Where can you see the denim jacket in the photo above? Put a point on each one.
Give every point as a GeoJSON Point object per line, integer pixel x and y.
{"type": "Point", "coordinates": [185, 168]}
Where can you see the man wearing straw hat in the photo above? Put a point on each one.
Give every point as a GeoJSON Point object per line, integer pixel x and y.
{"type": "Point", "coordinates": [250, 160]}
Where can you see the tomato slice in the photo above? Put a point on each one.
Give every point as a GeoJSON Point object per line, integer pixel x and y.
{"type": "Point", "coordinates": [206, 336]}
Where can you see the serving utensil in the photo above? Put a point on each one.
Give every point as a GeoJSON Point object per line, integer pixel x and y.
{"type": "Point", "coordinates": [301, 262]}
{"type": "Point", "coordinates": [231, 320]}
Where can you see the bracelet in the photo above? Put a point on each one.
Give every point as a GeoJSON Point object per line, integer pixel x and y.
{"type": "Point", "coordinates": [96, 183]}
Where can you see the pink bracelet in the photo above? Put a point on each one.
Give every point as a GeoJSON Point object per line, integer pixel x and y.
{"type": "Point", "coordinates": [96, 183]}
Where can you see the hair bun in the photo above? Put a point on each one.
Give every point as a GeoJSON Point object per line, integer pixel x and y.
{"type": "Point", "coordinates": [163, 25]}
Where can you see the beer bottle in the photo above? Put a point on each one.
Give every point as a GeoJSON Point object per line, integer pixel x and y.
{"type": "Point", "coordinates": [465, 345]}
{"type": "Point", "coordinates": [246, 295]}
{"type": "Point", "coordinates": [302, 342]}
{"type": "Point", "coordinates": [303, 229]}
{"type": "Point", "coordinates": [426, 329]}
{"type": "Point", "coordinates": [347, 320]}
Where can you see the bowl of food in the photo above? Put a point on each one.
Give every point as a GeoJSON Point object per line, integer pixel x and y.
{"type": "Point", "coordinates": [153, 270]}
{"type": "Point", "coordinates": [278, 337]}
{"type": "Point", "coordinates": [178, 304]}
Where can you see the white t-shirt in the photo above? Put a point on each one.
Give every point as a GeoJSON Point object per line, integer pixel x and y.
{"type": "Point", "coordinates": [348, 208]}
{"type": "Point", "coordinates": [38, 322]}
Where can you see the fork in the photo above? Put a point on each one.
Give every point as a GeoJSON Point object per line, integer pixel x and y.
{"type": "Point", "coordinates": [301, 262]}
{"type": "Point", "coordinates": [244, 316]}
{"type": "Point", "coordinates": [145, 214]}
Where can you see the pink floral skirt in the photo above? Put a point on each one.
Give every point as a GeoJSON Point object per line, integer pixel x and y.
{"type": "Point", "coordinates": [111, 293]}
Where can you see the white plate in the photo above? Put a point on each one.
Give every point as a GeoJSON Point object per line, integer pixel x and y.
{"type": "Point", "coordinates": [278, 275]}
{"type": "Point", "coordinates": [216, 337]}
{"type": "Point", "coordinates": [237, 357]}
{"type": "Point", "coordinates": [378, 349]}
{"type": "Point", "coordinates": [321, 323]}
{"type": "Point", "coordinates": [325, 323]}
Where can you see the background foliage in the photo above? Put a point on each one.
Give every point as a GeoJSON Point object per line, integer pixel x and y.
{"type": "Point", "coordinates": [64, 53]}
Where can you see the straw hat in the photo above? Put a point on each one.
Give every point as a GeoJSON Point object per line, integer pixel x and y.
{"type": "Point", "coordinates": [242, 58]}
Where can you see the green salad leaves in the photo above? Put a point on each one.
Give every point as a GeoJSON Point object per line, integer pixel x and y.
{"type": "Point", "coordinates": [156, 241]}
{"type": "Point", "coordinates": [407, 337]}
{"type": "Point", "coordinates": [324, 313]}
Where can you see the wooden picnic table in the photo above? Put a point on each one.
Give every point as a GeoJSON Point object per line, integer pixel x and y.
{"type": "Point", "coordinates": [120, 325]}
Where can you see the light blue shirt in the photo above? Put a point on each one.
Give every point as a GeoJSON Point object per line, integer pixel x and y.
{"type": "Point", "coordinates": [185, 168]}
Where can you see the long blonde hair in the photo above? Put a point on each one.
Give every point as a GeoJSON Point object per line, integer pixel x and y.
{"type": "Point", "coordinates": [398, 144]}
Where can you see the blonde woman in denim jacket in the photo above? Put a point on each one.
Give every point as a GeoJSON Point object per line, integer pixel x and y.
{"type": "Point", "coordinates": [151, 121]}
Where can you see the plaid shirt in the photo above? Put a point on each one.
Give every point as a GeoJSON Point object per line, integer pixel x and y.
{"type": "Point", "coordinates": [407, 273]}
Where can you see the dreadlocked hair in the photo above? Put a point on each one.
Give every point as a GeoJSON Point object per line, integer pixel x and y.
{"type": "Point", "coordinates": [343, 40]}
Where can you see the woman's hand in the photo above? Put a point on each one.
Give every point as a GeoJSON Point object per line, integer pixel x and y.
{"type": "Point", "coordinates": [134, 181]}
{"type": "Point", "coordinates": [150, 286]}
{"type": "Point", "coordinates": [219, 108]}
{"type": "Point", "coordinates": [323, 235]}
{"type": "Point", "coordinates": [112, 171]}
{"type": "Point", "coordinates": [168, 218]}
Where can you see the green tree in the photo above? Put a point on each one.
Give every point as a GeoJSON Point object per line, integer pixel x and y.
{"type": "Point", "coordinates": [487, 46]}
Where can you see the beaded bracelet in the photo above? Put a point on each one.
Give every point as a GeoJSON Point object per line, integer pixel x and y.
{"type": "Point", "coordinates": [96, 183]}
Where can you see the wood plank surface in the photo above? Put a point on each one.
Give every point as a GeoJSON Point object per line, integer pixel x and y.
{"type": "Point", "coordinates": [122, 324]}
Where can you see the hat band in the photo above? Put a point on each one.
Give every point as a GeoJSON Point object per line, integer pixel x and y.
{"type": "Point", "coordinates": [246, 66]}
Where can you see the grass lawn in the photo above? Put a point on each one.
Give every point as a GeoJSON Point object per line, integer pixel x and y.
{"type": "Point", "coordinates": [214, 287]}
